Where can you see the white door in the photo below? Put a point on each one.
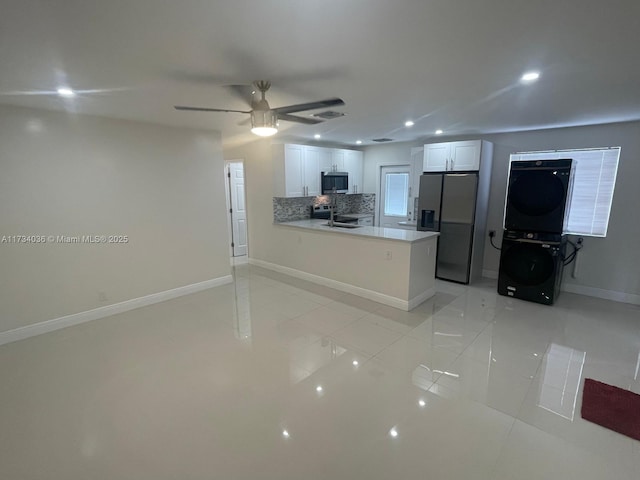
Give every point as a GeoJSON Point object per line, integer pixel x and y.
{"type": "Point", "coordinates": [238, 209]}
{"type": "Point", "coordinates": [394, 195]}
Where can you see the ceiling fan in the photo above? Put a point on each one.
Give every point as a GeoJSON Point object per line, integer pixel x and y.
{"type": "Point", "coordinates": [264, 119]}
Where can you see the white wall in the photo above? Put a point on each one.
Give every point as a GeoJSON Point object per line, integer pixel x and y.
{"type": "Point", "coordinates": [609, 264]}
{"type": "Point", "coordinates": [380, 155]}
{"type": "Point", "coordinates": [65, 174]}
{"type": "Point", "coordinates": [259, 186]}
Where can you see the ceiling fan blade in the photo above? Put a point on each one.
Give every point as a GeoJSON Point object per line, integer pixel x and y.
{"type": "Point", "coordinates": [330, 102]}
{"type": "Point", "coordinates": [294, 118]}
{"type": "Point", "coordinates": [243, 92]}
{"type": "Point", "coordinates": [202, 109]}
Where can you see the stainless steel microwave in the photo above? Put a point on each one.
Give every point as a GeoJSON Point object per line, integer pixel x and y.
{"type": "Point", "coordinates": [334, 182]}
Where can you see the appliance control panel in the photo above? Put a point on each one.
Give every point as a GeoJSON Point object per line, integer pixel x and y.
{"type": "Point", "coordinates": [536, 237]}
{"type": "Point", "coordinates": [321, 211]}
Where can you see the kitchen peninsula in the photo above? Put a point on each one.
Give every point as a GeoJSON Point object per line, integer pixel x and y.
{"type": "Point", "coordinates": [391, 266]}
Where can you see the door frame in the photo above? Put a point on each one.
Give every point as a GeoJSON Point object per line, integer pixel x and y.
{"type": "Point", "coordinates": [227, 198]}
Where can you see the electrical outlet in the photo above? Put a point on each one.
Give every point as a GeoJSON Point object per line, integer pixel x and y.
{"type": "Point", "coordinates": [492, 233]}
{"type": "Point", "coordinates": [388, 255]}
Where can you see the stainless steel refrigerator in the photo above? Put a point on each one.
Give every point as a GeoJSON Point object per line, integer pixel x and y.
{"type": "Point", "coordinates": [448, 204]}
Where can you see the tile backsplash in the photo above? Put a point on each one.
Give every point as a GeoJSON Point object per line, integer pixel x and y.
{"type": "Point", "coordinates": [298, 208]}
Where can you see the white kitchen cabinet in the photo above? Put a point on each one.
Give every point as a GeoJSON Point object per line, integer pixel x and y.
{"type": "Point", "coordinates": [311, 170]}
{"type": "Point", "coordinates": [452, 156]}
{"type": "Point", "coordinates": [337, 159]}
{"type": "Point", "coordinates": [354, 166]}
{"type": "Point", "coordinates": [326, 160]}
{"type": "Point", "coordinates": [293, 171]}
{"type": "Point", "coordinates": [296, 170]}
{"type": "Point", "coordinates": [436, 157]}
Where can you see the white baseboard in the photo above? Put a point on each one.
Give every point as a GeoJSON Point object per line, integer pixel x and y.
{"type": "Point", "coordinates": [623, 297]}
{"type": "Point", "coordinates": [348, 288]}
{"type": "Point", "coordinates": [417, 300]}
{"type": "Point", "coordinates": [490, 274]}
{"type": "Point", "coordinates": [101, 312]}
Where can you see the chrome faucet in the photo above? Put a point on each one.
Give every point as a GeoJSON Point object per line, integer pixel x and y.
{"type": "Point", "coordinates": [332, 206]}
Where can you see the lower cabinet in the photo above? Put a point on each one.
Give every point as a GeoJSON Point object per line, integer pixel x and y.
{"type": "Point", "coordinates": [368, 221]}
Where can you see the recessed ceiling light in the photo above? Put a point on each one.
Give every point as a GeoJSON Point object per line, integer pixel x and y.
{"type": "Point", "coordinates": [359, 142]}
{"type": "Point", "coordinates": [66, 92]}
{"type": "Point", "coordinates": [530, 76]}
{"type": "Point", "coordinates": [409, 123]}
{"type": "Point", "coordinates": [439, 132]}
{"type": "Point", "coordinates": [319, 389]}
{"type": "Point", "coordinates": [393, 432]}
{"type": "Point", "coordinates": [285, 434]}
{"type": "Point", "coordinates": [316, 136]}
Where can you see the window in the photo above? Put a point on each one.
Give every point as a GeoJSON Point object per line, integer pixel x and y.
{"type": "Point", "coordinates": [594, 178]}
{"type": "Point", "coordinates": [396, 194]}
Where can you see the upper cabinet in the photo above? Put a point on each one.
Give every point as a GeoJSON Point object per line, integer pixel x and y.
{"type": "Point", "coordinates": [297, 168]}
{"type": "Point", "coordinates": [337, 159]}
{"type": "Point", "coordinates": [353, 164]}
{"type": "Point", "coordinates": [452, 156]}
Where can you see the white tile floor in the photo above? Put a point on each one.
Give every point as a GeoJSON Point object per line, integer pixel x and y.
{"type": "Point", "coordinates": [469, 385]}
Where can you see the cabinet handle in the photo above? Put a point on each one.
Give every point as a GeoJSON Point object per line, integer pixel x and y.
{"type": "Point", "coordinates": [452, 164]}
{"type": "Point", "coordinates": [446, 164]}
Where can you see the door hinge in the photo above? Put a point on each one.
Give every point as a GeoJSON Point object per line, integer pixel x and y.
{"type": "Point", "coordinates": [232, 245]}
{"type": "Point", "coordinates": [229, 174]}
{"type": "Point", "coordinates": [231, 210]}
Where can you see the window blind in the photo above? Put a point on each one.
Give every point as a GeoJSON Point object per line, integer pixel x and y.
{"type": "Point", "coordinates": [594, 178]}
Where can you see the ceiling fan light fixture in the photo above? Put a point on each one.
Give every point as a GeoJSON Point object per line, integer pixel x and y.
{"type": "Point", "coordinates": [264, 123]}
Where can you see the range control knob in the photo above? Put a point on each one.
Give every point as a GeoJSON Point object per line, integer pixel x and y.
{"type": "Point", "coordinates": [529, 235]}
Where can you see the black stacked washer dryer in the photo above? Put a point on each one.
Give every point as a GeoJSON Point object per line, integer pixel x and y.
{"type": "Point", "coordinates": [533, 246]}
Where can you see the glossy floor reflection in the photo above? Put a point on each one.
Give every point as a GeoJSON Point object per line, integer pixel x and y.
{"type": "Point", "coordinates": [275, 378]}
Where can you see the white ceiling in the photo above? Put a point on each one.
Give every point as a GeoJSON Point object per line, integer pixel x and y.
{"type": "Point", "coordinates": [450, 64]}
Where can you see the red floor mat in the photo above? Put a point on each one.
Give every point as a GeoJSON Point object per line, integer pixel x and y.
{"type": "Point", "coordinates": [611, 407]}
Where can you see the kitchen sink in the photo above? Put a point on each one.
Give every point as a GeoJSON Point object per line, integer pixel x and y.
{"type": "Point", "coordinates": [344, 225]}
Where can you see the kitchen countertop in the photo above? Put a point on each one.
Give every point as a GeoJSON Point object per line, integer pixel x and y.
{"type": "Point", "coordinates": [396, 234]}
{"type": "Point", "coordinates": [356, 215]}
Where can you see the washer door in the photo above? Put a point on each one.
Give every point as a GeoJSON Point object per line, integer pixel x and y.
{"type": "Point", "coordinates": [536, 201]}
{"type": "Point", "coordinates": [528, 264]}
{"type": "Point", "coordinates": [536, 193]}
